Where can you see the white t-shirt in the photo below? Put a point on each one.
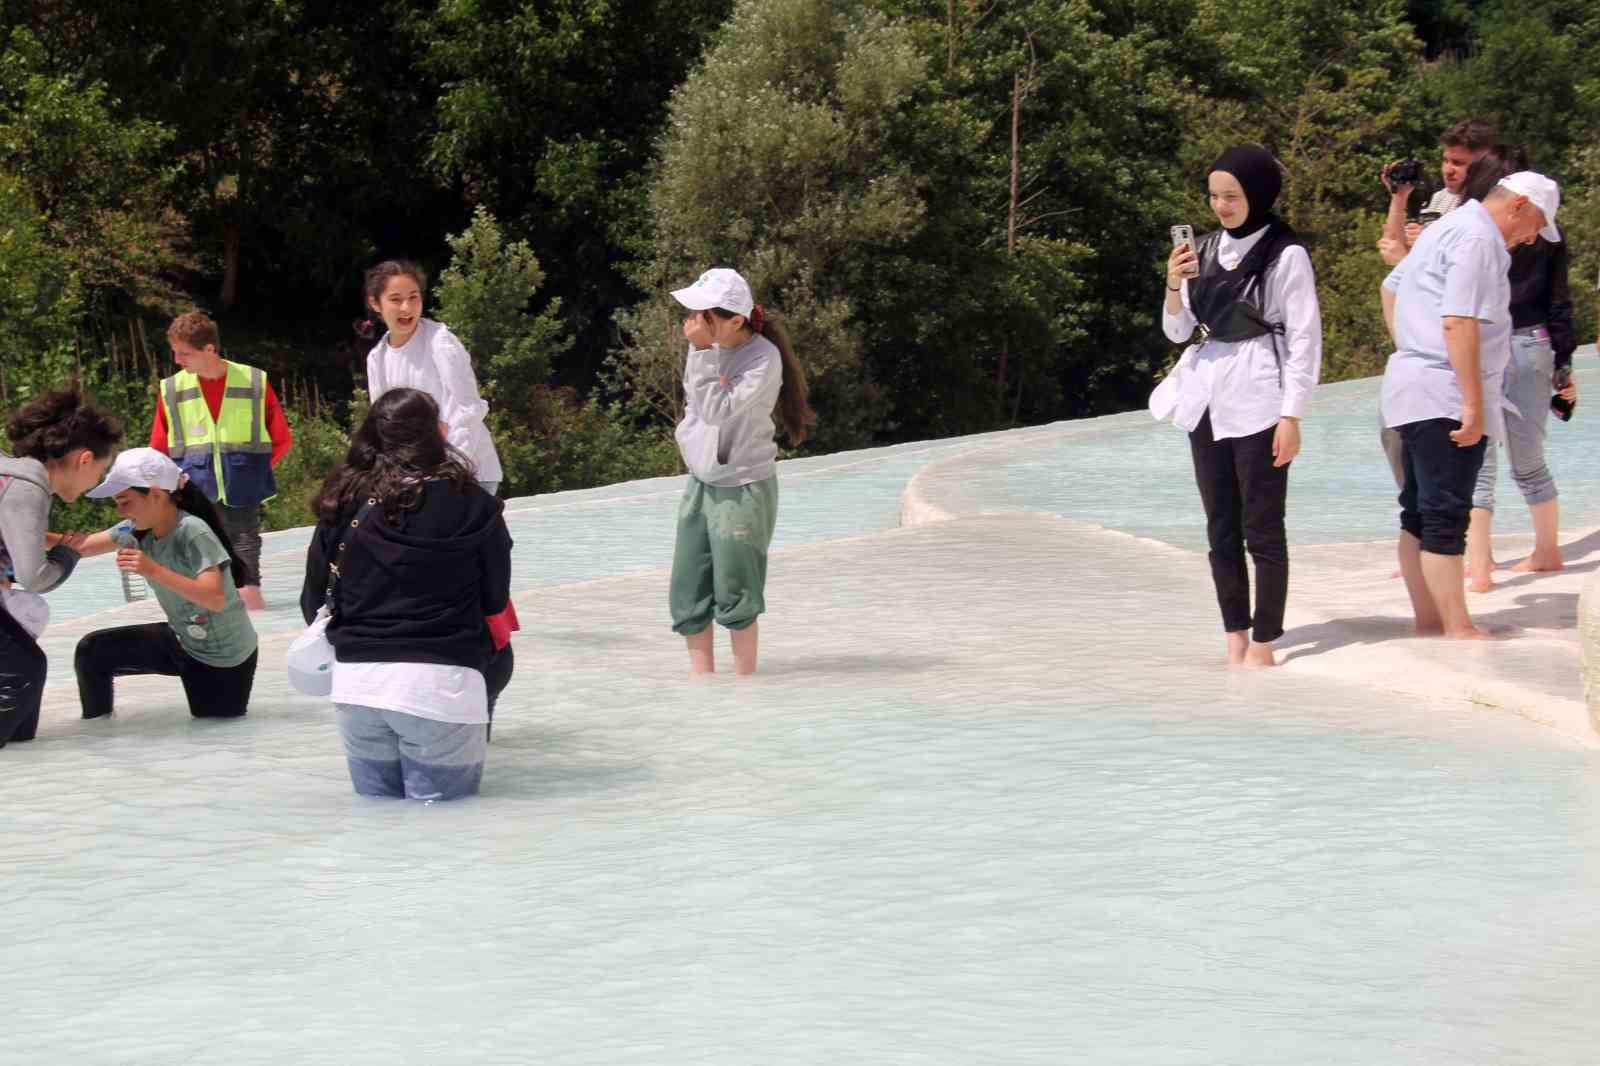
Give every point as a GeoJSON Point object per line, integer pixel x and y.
{"type": "Point", "coordinates": [435, 691]}
{"type": "Point", "coordinates": [434, 361]}
{"type": "Point", "coordinates": [1239, 381]}
{"type": "Point", "coordinates": [1456, 269]}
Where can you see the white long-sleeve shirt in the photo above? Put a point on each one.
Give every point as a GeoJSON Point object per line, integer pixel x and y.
{"type": "Point", "coordinates": [1240, 381]}
{"type": "Point", "coordinates": [726, 436]}
{"type": "Point", "coordinates": [434, 361]}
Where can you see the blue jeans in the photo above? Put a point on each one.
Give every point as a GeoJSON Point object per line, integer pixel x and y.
{"type": "Point", "coordinates": [1527, 385]}
{"type": "Point", "coordinates": [392, 753]}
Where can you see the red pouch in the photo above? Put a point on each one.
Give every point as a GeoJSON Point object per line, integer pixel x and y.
{"type": "Point", "coordinates": [502, 625]}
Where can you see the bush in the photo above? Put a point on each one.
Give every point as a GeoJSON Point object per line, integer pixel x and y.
{"type": "Point", "coordinates": [319, 446]}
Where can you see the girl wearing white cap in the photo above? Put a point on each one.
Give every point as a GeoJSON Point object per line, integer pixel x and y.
{"type": "Point", "coordinates": [183, 552]}
{"type": "Point", "coordinates": [740, 373]}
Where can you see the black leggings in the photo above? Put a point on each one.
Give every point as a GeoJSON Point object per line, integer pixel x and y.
{"type": "Point", "coordinates": [1244, 497]}
{"type": "Point", "coordinates": [22, 671]}
{"type": "Point", "coordinates": [213, 691]}
{"type": "Point", "coordinates": [496, 676]}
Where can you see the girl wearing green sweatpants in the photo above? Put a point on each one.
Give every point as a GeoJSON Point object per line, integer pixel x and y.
{"type": "Point", "coordinates": [740, 375]}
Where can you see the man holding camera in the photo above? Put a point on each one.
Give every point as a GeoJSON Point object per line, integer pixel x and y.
{"type": "Point", "coordinates": [1461, 145]}
{"type": "Point", "coordinates": [1448, 308]}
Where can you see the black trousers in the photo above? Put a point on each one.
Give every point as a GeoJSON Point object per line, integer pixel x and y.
{"type": "Point", "coordinates": [496, 676]}
{"type": "Point", "coordinates": [243, 526]}
{"type": "Point", "coordinates": [1440, 476]}
{"type": "Point", "coordinates": [22, 671]}
{"type": "Point", "coordinates": [153, 648]}
{"type": "Point", "coordinates": [1244, 497]}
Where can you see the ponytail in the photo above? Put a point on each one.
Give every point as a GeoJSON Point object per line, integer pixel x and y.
{"type": "Point", "coordinates": [793, 408]}
{"type": "Point", "coordinates": [188, 497]}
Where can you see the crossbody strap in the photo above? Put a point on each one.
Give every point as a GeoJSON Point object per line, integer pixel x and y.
{"type": "Point", "coordinates": [338, 555]}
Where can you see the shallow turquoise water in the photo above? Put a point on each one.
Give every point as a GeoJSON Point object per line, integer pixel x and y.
{"type": "Point", "coordinates": [988, 802]}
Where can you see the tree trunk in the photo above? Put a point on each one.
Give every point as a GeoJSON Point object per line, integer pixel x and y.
{"type": "Point", "coordinates": [1011, 209]}
{"type": "Point", "coordinates": [950, 34]}
{"type": "Point", "coordinates": [231, 240]}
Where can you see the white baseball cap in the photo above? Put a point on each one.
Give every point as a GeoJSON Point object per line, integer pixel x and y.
{"type": "Point", "coordinates": [138, 468]}
{"type": "Point", "coordinates": [718, 287]}
{"type": "Point", "coordinates": [1543, 193]}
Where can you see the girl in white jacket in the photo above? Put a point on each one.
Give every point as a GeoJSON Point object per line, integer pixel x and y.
{"type": "Point", "coordinates": [419, 353]}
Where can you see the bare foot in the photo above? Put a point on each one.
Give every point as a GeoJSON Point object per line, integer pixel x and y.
{"type": "Point", "coordinates": [1427, 629]}
{"type": "Point", "coordinates": [1238, 645]}
{"type": "Point", "coordinates": [1395, 573]}
{"type": "Point", "coordinates": [1260, 655]}
{"type": "Point", "coordinates": [1480, 585]}
{"type": "Point", "coordinates": [1539, 563]}
{"type": "Point", "coordinates": [1476, 632]}
{"type": "Point", "coordinates": [253, 601]}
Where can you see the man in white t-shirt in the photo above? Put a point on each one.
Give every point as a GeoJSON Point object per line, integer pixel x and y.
{"type": "Point", "coordinates": [1460, 146]}
{"type": "Point", "coordinates": [1448, 308]}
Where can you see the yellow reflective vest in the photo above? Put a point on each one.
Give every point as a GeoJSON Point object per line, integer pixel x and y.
{"type": "Point", "coordinates": [229, 457]}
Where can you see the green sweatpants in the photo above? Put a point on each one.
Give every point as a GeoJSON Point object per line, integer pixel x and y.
{"type": "Point", "coordinates": [719, 564]}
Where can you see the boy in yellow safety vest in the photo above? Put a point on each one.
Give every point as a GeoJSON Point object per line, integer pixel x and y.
{"type": "Point", "coordinates": [222, 424]}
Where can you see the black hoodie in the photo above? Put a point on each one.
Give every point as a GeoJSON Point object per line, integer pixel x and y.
{"type": "Point", "coordinates": [416, 591]}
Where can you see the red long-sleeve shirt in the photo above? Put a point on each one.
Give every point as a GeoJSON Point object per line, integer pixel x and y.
{"type": "Point", "coordinates": [212, 389]}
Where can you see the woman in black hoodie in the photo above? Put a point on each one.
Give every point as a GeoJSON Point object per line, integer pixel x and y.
{"type": "Point", "coordinates": [426, 558]}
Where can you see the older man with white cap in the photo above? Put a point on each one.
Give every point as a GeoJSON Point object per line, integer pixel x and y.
{"type": "Point", "coordinates": [1447, 305]}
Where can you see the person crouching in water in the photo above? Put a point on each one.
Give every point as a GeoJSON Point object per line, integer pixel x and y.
{"type": "Point", "coordinates": [740, 371]}
{"type": "Point", "coordinates": [426, 559]}
{"type": "Point", "coordinates": [1241, 389]}
{"type": "Point", "coordinates": [189, 561]}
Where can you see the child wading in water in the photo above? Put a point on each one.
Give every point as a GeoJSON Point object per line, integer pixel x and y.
{"type": "Point", "coordinates": [740, 371]}
{"type": "Point", "coordinates": [195, 573]}
{"type": "Point", "coordinates": [419, 353]}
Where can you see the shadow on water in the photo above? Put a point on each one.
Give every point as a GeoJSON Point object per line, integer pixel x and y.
{"type": "Point", "coordinates": [876, 665]}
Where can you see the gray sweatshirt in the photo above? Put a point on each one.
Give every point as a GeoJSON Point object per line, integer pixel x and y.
{"type": "Point", "coordinates": [24, 519]}
{"type": "Point", "coordinates": [726, 436]}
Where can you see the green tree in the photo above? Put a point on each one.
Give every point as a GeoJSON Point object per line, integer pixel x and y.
{"type": "Point", "coordinates": [40, 301]}
{"type": "Point", "coordinates": [810, 152]}
{"type": "Point", "coordinates": [547, 114]}
{"type": "Point", "coordinates": [96, 181]}
{"type": "Point", "coordinates": [1330, 89]}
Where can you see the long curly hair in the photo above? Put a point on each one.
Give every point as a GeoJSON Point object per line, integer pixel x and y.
{"type": "Point", "coordinates": [398, 448]}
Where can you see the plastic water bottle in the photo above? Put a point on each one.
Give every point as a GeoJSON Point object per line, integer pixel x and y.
{"type": "Point", "coordinates": [134, 586]}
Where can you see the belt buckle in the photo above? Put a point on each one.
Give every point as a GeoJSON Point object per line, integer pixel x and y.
{"type": "Point", "coordinates": [1540, 333]}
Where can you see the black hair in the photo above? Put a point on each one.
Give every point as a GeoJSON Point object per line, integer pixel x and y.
{"type": "Point", "coordinates": [372, 286]}
{"type": "Point", "coordinates": [188, 497]}
{"type": "Point", "coordinates": [393, 452]}
{"type": "Point", "coordinates": [1501, 161]}
{"type": "Point", "coordinates": [61, 422]}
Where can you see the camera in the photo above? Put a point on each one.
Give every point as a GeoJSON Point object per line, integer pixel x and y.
{"type": "Point", "coordinates": [1406, 172]}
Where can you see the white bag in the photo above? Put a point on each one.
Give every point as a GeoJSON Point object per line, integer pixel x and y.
{"type": "Point", "coordinates": [310, 658]}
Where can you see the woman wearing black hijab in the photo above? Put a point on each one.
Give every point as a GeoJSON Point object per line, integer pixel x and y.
{"type": "Point", "coordinates": [1241, 388]}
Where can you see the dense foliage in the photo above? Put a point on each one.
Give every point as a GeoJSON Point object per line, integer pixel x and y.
{"type": "Point", "coordinates": [962, 206]}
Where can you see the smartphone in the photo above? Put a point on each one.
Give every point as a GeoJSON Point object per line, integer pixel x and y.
{"type": "Point", "coordinates": [1560, 406]}
{"type": "Point", "coordinates": [1182, 235]}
